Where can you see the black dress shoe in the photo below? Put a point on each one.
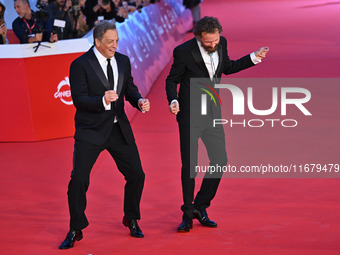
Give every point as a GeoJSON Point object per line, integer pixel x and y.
{"type": "Point", "coordinates": [71, 237]}
{"type": "Point", "coordinates": [185, 226]}
{"type": "Point", "coordinates": [203, 219]}
{"type": "Point", "coordinates": [135, 231]}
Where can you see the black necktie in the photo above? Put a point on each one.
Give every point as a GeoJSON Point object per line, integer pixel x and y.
{"type": "Point", "coordinates": [110, 74]}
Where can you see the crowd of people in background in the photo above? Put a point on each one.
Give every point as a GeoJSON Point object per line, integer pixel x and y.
{"type": "Point", "coordinates": [65, 19]}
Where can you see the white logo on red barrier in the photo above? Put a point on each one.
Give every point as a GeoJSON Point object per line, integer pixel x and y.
{"type": "Point", "coordinates": [64, 92]}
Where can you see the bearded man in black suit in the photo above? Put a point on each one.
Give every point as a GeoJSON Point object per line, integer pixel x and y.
{"type": "Point", "coordinates": [204, 56]}
{"type": "Point", "coordinates": [100, 79]}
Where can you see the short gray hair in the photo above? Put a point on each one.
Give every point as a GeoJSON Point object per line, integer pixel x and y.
{"type": "Point", "coordinates": [101, 28]}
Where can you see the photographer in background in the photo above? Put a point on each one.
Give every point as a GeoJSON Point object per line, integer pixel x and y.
{"type": "Point", "coordinates": [31, 26]}
{"type": "Point", "coordinates": [97, 10]}
{"type": "Point", "coordinates": [3, 28]}
{"type": "Point", "coordinates": [78, 21]}
{"type": "Point", "coordinates": [41, 4]}
{"type": "Point", "coordinates": [58, 16]}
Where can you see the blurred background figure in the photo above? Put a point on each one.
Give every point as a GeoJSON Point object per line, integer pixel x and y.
{"type": "Point", "coordinates": [125, 8]}
{"type": "Point", "coordinates": [97, 10]}
{"type": "Point", "coordinates": [41, 4]}
{"type": "Point", "coordinates": [78, 21]}
{"type": "Point", "coordinates": [195, 8]}
{"type": "Point", "coordinates": [58, 16]}
{"type": "Point", "coordinates": [32, 26]}
{"type": "Point", "coordinates": [3, 28]}
{"type": "Point", "coordinates": [116, 2]}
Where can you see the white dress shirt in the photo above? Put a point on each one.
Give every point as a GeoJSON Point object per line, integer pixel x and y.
{"type": "Point", "coordinates": [212, 65]}
{"type": "Point", "coordinates": [103, 64]}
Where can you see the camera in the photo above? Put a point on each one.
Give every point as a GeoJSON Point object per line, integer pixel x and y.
{"type": "Point", "coordinates": [76, 5]}
{"type": "Point", "coordinates": [40, 6]}
{"type": "Point", "coordinates": [106, 2]}
{"type": "Point", "coordinates": [41, 14]}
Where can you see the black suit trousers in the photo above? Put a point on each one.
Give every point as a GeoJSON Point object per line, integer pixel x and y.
{"type": "Point", "coordinates": [214, 142]}
{"type": "Point", "coordinates": [128, 162]}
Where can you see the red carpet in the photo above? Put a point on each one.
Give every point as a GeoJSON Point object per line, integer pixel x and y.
{"type": "Point", "coordinates": [255, 216]}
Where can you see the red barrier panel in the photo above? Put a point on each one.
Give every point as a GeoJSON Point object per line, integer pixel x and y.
{"type": "Point", "coordinates": [32, 109]}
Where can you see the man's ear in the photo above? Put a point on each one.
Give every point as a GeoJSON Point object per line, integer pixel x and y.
{"type": "Point", "coordinates": [96, 42]}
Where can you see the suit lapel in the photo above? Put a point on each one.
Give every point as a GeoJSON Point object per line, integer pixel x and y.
{"type": "Point", "coordinates": [120, 73]}
{"type": "Point", "coordinates": [196, 53]}
{"type": "Point", "coordinates": [93, 61]}
{"type": "Point", "coordinates": [219, 50]}
{"type": "Point", "coordinates": [198, 58]}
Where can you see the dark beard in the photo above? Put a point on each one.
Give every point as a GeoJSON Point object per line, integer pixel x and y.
{"type": "Point", "coordinates": [210, 49]}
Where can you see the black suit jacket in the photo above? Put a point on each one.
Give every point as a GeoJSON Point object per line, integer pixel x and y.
{"type": "Point", "coordinates": [88, 85]}
{"type": "Point", "coordinates": [188, 63]}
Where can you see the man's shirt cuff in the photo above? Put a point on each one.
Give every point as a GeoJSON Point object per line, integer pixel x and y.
{"type": "Point", "coordinates": [254, 59]}
{"type": "Point", "coordinates": [174, 101]}
{"type": "Point", "coordinates": [107, 107]}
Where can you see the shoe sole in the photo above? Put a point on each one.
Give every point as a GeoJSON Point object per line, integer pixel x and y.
{"type": "Point", "coordinates": [209, 226]}
{"type": "Point", "coordinates": [65, 248]}
{"type": "Point", "coordinates": [183, 230]}
{"type": "Point", "coordinates": [205, 225]}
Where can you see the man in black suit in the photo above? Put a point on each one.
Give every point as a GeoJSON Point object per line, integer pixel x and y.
{"type": "Point", "coordinates": [204, 56]}
{"type": "Point", "coordinates": [100, 80]}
